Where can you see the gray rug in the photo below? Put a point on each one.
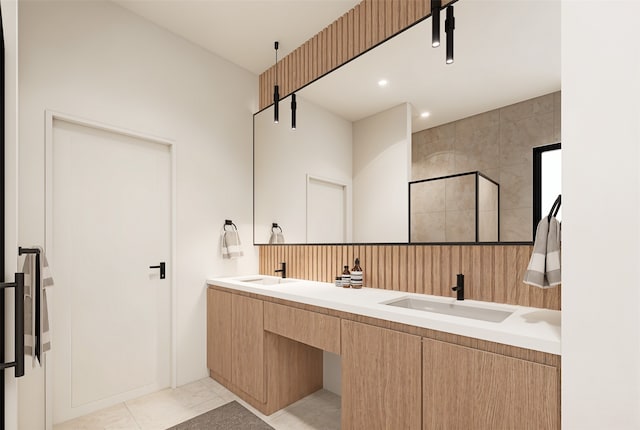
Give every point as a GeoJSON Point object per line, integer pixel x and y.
{"type": "Point", "coordinates": [232, 416]}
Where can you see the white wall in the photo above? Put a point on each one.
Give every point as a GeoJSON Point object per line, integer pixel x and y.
{"type": "Point", "coordinates": [320, 146]}
{"type": "Point", "coordinates": [601, 238]}
{"type": "Point", "coordinates": [10, 24]}
{"type": "Point", "coordinates": [381, 171]}
{"type": "Point", "coordinates": [98, 61]}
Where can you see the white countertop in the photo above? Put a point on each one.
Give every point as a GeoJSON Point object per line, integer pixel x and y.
{"type": "Point", "coordinates": [531, 328]}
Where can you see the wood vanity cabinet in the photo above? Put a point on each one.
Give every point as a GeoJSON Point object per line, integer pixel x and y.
{"type": "Point", "coordinates": [247, 345]}
{"type": "Point", "coordinates": [466, 388]}
{"type": "Point", "coordinates": [264, 368]}
{"type": "Point", "coordinates": [235, 341]}
{"type": "Point", "coordinates": [381, 378]}
{"type": "Point", "coordinates": [270, 354]}
{"type": "Point", "coordinates": [219, 333]}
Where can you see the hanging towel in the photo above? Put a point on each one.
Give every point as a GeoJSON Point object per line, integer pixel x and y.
{"type": "Point", "coordinates": [544, 267]}
{"type": "Point", "coordinates": [30, 282]}
{"type": "Point", "coordinates": [276, 234]}
{"type": "Point", "coordinates": [231, 247]}
{"type": "Point", "coordinates": [276, 237]}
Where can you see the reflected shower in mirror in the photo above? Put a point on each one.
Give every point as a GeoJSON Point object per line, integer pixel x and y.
{"type": "Point", "coordinates": [456, 208]}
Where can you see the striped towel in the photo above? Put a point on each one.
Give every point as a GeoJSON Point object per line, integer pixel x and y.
{"type": "Point", "coordinates": [231, 247]}
{"type": "Point", "coordinates": [544, 267]}
{"type": "Point", "coordinates": [276, 237]}
{"type": "Point", "coordinates": [46, 281]}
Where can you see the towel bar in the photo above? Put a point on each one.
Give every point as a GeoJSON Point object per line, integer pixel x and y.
{"type": "Point", "coordinates": [18, 363]}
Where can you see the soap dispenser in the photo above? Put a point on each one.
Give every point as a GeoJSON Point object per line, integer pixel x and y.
{"type": "Point", "coordinates": [356, 275]}
{"type": "Point", "coordinates": [346, 277]}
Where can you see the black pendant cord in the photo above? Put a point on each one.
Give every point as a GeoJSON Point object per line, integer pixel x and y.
{"type": "Point", "coordinates": [276, 88]}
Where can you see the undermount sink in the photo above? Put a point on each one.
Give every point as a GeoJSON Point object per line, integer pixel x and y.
{"type": "Point", "coordinates": [267, 280]}
{"type": "Point", "coordinates": [454, 309]}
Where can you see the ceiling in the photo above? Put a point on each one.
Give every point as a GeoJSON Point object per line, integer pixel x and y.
{"type": "Point", "coordinates": [243, 31]}
{"type": "Point", "coordinates": [505, 51]}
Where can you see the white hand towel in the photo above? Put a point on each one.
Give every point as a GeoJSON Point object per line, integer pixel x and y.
{"type": "Point", "coordinates": [276, 237]}
{"type": "Point", "coordinates": [544, 267]}
{"type": "Point", "coordinates": [46, 281]}
{"type": "Point", "coordinates": [231, 247]}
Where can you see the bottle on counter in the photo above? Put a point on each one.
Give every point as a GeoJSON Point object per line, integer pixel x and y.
{"type": "Point", "coordinates": [356, 275]}
{"type": "Point", "coordinates": [346, 277]}
{"type": "Point", "coordinates": [338, 281]}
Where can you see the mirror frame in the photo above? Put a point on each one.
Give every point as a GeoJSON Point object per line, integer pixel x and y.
{"type": "Point", "coordinates": [536, 182]}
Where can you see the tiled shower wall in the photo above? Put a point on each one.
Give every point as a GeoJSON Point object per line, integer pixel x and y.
{"type": "Point", "coordinates": [493, 273]}
{"type": "Point", "coordinates": [499, 144]}
{"type": "Point", "coordinates": [444, 210]}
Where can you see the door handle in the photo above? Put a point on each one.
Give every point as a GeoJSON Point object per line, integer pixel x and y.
{"type": "Point", "coordinates": [162, 268]}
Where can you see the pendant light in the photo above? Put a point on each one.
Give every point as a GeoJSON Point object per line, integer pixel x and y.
{"type": "Point", "coordinates": [276, 93]}
{"type": "Point", "coordinates": [294, 106]}
{"type": "Point", "coordinates": [435, 22]}
{"type": "Point", "coordinates": [449, 26]}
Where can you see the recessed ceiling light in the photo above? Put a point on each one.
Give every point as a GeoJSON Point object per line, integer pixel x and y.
{"type": "Point", "coordinates": [425, 114]}
{"type": "Point", "coordinates": [382, 83]}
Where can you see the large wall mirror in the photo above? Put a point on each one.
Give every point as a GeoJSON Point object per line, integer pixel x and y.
{"type": "Point", "coordinates": [396, 146]}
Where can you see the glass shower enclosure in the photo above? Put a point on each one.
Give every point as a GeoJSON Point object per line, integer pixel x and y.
{"type": "Point", "coordinates": [458, 208]}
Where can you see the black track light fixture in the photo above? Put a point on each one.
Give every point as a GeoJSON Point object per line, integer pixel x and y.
{"type": "Point", "coordinates": [294, 106]}
{"type": "Point", "coordinates": [276, 88]}
{"type": "Point", "coordinates": [435, 22]}
{"type": "Point", "coordinates": [449, 26]}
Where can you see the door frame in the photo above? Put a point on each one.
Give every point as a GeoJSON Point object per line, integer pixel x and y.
{"type": "Point", "coordinates": [50, 116]}
{"type": "Point", "coordinates": [346, 199]}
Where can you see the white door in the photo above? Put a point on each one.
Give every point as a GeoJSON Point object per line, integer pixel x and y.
{"type": "Point", "coordinates": [111, 220]}
{"type": "Point", "coordinates": [326, 211]}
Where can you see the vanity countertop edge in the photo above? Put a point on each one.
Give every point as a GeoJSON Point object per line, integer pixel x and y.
{"type": "Point", "coordinates": [530, 328]}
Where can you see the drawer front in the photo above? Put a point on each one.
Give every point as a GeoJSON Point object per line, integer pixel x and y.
{"type": "Point", "coordinates": [314, 329]}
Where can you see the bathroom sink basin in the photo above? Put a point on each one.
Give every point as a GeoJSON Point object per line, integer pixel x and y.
{"type": "Point", "coordinates": [267, 280]}
{"type": "Point", "coordinates": [454, 309]}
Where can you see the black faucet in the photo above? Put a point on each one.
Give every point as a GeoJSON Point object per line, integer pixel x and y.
{"type": "Point", "coordinates": [459, 287]}
{"type": "Point", "coordinates": [282, 269]}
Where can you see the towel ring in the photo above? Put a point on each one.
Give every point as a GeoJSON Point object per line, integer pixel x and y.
{"type": "Point", "coordinates": [228, 222]}
{"type": "Point", "coordinates": [275, 225]}
{"type": "Point", "coordinates": [555, 207]}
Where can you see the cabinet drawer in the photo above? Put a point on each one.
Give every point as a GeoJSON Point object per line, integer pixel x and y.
{"type": "Point", "coordinates": [314, 329]}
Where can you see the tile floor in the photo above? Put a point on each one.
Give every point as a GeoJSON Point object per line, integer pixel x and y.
{"type": "Point", "coordinates": [166, 408]}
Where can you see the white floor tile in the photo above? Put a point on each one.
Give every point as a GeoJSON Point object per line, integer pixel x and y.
{"type": "Point", "coordinates": [166, 408]}
{"type": "Point", "coordinates": [116, 417]}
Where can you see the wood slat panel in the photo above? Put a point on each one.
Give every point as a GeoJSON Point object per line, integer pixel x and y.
{"type": "Point", "coordinates": [492, 272]}
{"type": "Point", "coordinates": [367, 24]}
